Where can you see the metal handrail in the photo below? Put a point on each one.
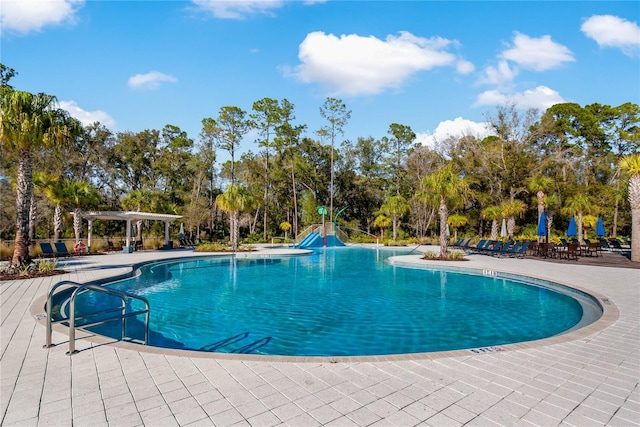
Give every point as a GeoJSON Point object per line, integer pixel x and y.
{"type": "Point", "coordinates": [80, 288]}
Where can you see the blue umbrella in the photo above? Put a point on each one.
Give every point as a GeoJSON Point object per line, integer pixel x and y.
{"type": "Point", "coordinates": [600, 228]}
{"type": "Point", "coordinates": [571, 231]}
{"type": "Point", "coordinates": [542, 225]}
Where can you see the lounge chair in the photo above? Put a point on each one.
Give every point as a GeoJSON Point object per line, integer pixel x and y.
{"type": "Point", "coordinates": [457, 243]}
{"type": "Point", "coordinates": [502, 250]}
{"type": "Point", "coordinates": [616, 246]}
{"type": "Point", "coordinates": [493, 247]}
{"type": "Point", "coordinates": [47, 249]}
{"type": "Point", "coordinates": [61, 249]}
{"type": "Point", "coordinates": [478, 247]}
{"type": "Point", "coordinates": [509, 250]}
{"type": "Point", "coordinates": [520, 251]}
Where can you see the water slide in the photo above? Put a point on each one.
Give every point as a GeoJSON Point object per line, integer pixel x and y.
{"type": "Point", "coordinates": [315, 240]}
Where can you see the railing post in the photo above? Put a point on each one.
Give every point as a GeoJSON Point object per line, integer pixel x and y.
{"type": "Point", "coordinates": [72, 324]}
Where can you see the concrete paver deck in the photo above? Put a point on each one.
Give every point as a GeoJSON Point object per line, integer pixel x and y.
{"type": "Point", "coordinates": [589, 380]}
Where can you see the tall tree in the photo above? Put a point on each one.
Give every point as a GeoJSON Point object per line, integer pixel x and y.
{"type": "Point", "coordinates": [335, 112]}
{"type": "Point", "coordinates": [28, 123]}
{"type": "Point", "coordinates": [398, 145]}
{"type": "Point", "coordinates": [228, 130]}
{"type": "Point", "coordinates": [265, 117]}
{"type": "Point", "coordinates": [631, 166]}
{"type": "Point", "coordinates": [286, 141]}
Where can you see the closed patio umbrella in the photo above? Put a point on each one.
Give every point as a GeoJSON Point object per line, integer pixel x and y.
{"type": "Point", "coordinates": [503, 229]}
{"type": "Point", "coordinates": [542, 225]}
{"type": "Point", "coordinates": [571, 231]}
{"type": "Point", "coordinates": [600, 231]}
{"type": "Point", "coordinates": [181, 233]}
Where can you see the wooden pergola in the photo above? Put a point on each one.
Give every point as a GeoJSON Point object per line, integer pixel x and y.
{"type": "Point", "coordinates": [129, 217]}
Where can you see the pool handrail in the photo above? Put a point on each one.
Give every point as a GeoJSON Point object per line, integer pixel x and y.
{"type": "Point", "coordinates": [80, 288]}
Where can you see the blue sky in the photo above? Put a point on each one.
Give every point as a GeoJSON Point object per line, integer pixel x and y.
{"type": "Point", "coordinates": [439, 67]}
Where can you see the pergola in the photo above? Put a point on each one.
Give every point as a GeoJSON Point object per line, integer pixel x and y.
{"type": "Point", "coordinates": [129, 217]}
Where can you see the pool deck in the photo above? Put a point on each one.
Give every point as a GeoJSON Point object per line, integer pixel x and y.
{"type": "Point", "coordinates": [583, 379]}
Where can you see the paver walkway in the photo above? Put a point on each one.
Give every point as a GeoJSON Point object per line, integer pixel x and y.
{"type": "Point", "coordinates": [587, 381]}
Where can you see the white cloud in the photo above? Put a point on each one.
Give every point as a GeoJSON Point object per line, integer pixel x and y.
{"type": "Point", "coordinates": [541, 97]}
{"type": "Point", "coordinates": [87, 117]}
{"type": "Point", "coordinates": [151, 80]}
{"type": "Point", "coordinates": [25, 16]}
{"type": "Point", "coordinates": [538, 54]}
{"type": "Point", "coordinates": [356, 65]}
{"type": "Point", "coordinates": [501, 75]}
{"type": "Point", "coordinates": [456, 128]}
{"type": "Point", "coordinates": [464, 67]}
{"type": "Point", "coordinates": [238, 9]}
{"type": "Point", "coordinates": [612, 31]}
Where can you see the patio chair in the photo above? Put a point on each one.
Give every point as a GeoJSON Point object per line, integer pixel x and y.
{"type": "Point", "coordinates": [61, 249]}
{"type": "Point", "coordinates": [572, 251]}
{"type": "Point", "coordinates": [47, 249]}
{"type": "Point", "coordinates": [457, 243]}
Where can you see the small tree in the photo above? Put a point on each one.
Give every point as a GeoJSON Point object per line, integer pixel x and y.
{"type": "Point", "coordinates": [456, 221]}
{"type": "Point", "coordinates": [395, 207]}
{"type": "Point", "coordinates": [286, 227]}
{"type": "Point", "coordinates": [511, 210]}
{"type": "Point", "coordinates": [494, 214]}
{"type": "Point", "coordinates": [233, 201]}
{"type": "Point", "coordinates": [444, 188]}
{"type": "Point", "coordinates": [382, 222]}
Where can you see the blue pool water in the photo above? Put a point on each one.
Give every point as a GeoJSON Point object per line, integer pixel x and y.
{"type": "Point", "coordinates": [337, 302]}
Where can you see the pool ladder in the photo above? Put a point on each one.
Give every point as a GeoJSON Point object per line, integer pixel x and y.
{"type": "Point", "coordinates": [80, 288]}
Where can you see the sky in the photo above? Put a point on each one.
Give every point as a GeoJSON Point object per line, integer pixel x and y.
{"type": "Point", "coordinates": [440, 67]}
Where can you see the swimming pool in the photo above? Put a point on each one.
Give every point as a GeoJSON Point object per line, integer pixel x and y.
{"type": "Point", "coordinates": [339, 302]}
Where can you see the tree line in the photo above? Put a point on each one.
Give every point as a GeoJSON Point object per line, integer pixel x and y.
{"type": "Point", "coordinates": [564, 161]}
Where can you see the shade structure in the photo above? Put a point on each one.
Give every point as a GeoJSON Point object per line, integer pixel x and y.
{"type": "Point", "coordinates": [503, 229]}
{"type": "Point", "coordinates": [542, 225]}
{"type": "Point", "coordinates": [600, 232]}
{"type": "Point", "coordinates": [571, 231]}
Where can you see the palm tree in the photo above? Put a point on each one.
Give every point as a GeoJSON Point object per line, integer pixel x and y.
{"type": "Point", "coordinates": [382, 222]}
{"type": "Point", "coordinates": [577, 206]}
{"type": "Point", "coordinates": [510, 210]}
{"type": "Point", "coordinates": [395, 207]}
{"type": "Point", "coordinates": [493, 213]}
{"type": "Point", "coordinates": [286, 227]}
{"type": "Point", "coordinates": [456, 221]}
{"type": "Point", "coordinates": [233, 201]}
{"type": "Point", "coordinates": [29, 122]}
{"type": "Point", "coordinates": [444, 188]}
{"type": "Point", "coordinates": [55, 193]}
{"type": "Point", "coordinates": [539, 185]}
{"type": "Point", "coordinates": [79, 194]}
{"type": "Point", "coordinates": [631, 166]}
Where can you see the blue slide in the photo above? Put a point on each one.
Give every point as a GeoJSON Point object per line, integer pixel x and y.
{"type": "Point", "coordinates": [315, 240]}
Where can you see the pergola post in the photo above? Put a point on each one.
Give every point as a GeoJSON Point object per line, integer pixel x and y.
{"type": "Point", "coordinates": [167, 244]}
{"type": "Point", "coordinates": [127, 248]}
{"type": "Point", "coordinates": [89, 235]}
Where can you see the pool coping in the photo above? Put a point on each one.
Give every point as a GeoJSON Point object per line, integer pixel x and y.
{"type": "Point", "coordinates": [610, 314]}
